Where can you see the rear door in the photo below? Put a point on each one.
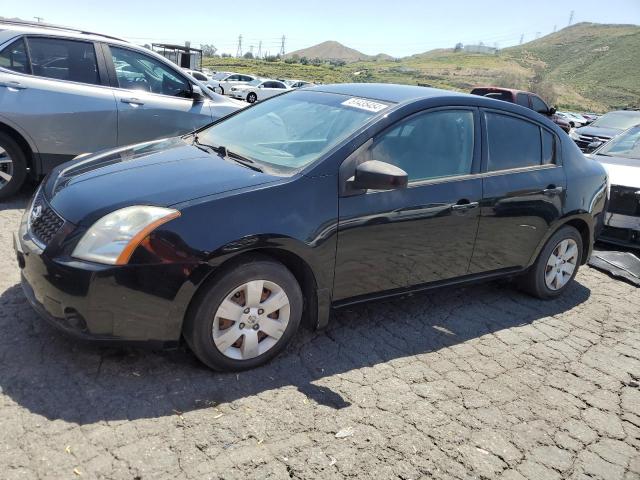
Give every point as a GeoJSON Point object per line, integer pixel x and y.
{"type": "Point", "coordinates": [523, 190]}
{"type": "Point", "coordinates": [56, 90]}
{"type": "Point", "coordinates": [269, 89]}
{"type": "Point", "coordinates": [153, 99]}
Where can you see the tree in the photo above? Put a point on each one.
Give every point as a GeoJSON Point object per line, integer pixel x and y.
{"type": "Point", "coordinates": [248, 56]}
{"type": "Point", "coordinates": [458, 47]}
{"type": "Point", "coordinates": [208, 50]}
{"type": "Point", "coordinates": [304, 61]}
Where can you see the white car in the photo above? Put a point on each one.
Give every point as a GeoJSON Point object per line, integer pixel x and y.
{"type": "Point", "coordinates": [298, 83]}
{"type": "Point", "coordinates": [233, 80]}
{"type": "Point", "coordinates": [208, 82]}
{"type": "Point", "coordinates": [574, 119]}
{"type": "Point", "coordinates": [259, 89]}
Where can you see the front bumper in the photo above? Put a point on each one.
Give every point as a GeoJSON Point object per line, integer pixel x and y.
{"type": "Point", "coordinates": [138, 304]}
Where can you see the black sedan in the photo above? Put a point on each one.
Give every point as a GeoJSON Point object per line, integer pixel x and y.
{"type": "Point", "coordinates": [233, 236]}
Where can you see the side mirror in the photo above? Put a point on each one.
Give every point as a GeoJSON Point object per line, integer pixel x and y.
{"type": "Point", "coordinates": [377, 175]}
{"type": "Point", "coordinates": [197, 94]}
{"type": "Point", "coordinates": [552, 110]}
{"type": "Point", "coordinates": [260, 86]}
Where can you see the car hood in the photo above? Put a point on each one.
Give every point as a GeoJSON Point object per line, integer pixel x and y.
{"type": "Point", "coordinates": [162, 173]}
{"type": "Point", "coordinates": [622, 171]}
{"type": "Point", "coordinates": [598, 131]}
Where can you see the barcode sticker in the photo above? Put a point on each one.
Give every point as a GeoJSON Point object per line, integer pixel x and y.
{"type": "Point", "coordinates": [364, 104]}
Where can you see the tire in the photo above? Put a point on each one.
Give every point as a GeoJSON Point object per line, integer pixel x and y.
{"type": "Point", "coordinates": [241, 343]}
{"type": "Point", "coordinates": [13, 166]}
{"type": "Point", "coordinates": [536, 280]}
{"type": "Point", "coordinates": [252, 98]}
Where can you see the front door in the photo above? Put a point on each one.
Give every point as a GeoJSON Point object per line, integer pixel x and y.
{"type": "Point", "coordinates": [153, 99]}
{"type": "Point", "coordinates": [423, 233]}
{"type": "Point", "coordinates": [524, 188]}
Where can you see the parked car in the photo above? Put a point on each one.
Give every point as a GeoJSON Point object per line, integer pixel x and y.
{"type": "Point", "coordinates": [79, 92]}
{"type": "Point", "coordinates": [259, 89]}
{"type": "Point", "coordinates": [604, 129]}
{"type": "Point", "coordinates": [207, 81]}
{"type": "Point", "coordinates": [299, 204]}
{"type": "Point", "coordinates": [621, 158]}
{"type": "Point", "coordinates": [525, 99]}
{"type": "Point", "coordinates": [591, 117]}
{"type": "Point", "coordinates": [297, 83]}
{"type": "Point", "coordinates": [574, 119]}
{"type": "Point", "coordinates": [233, 80]}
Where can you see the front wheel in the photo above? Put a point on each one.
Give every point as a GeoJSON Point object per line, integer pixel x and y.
{"type": "Point", "coordinates": [246, 316]}
{"type": "Point", "coordinates": [252, 98]}
{"type": "Point", "coordinates": [556, 266]}
{"type": "Point", "coordinates": [13, 166]}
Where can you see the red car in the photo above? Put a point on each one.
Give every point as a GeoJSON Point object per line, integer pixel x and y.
{"type": "Point", "coordinates": [526, 99]}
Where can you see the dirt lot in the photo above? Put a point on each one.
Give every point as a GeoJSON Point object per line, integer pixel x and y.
{"type": "Point", "coordinates": [478, 382]}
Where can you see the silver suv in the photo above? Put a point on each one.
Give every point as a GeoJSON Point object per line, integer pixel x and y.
{"type": "Point", "coordinates": [65, 92]}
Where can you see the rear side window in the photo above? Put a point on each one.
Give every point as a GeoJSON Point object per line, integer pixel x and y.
{"type": "Point", "coordinates": [538, 105]}
{"type": "Point", "coordinates": [14, 57]}
{"type": "Point", "coordinates": [512, 142]}
{"type": "Point", "coordinates": [548, 147]}
{"type": "Point", "coordinates": [64, 60]}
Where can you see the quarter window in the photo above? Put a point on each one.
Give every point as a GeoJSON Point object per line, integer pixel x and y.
{"type": "Point", "coordinates": [429, 145]}
{"type": "Point", "coordinates": [523, 99]}
{"type": "Point", "coordinates": [548, 147]}
{"type": "Point", "coordinates": [64, 60]}
{"type": "Point", "coordinates": [136, 71]}
{"type": "Point", "coordinates": [14, 57]}
{"type": "Point", "coordinates": [538, 105]}
{"type": "Point", "coordinates": [512, 142]}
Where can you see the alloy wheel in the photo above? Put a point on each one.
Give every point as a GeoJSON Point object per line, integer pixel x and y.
{"type": "Point", "coordinates": [251, 319]}
{"type": "Point", "coordinates": [6, 167]}
{"type": "Point", "coordinates": [561, 264]}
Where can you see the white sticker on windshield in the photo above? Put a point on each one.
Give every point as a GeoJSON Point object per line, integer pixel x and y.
{"type": "Point", "coordinates": [365, 104]}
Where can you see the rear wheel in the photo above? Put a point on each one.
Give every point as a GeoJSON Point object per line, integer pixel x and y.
{"type": "Point", "coordinates": [13, 166]}
{"type": "Point", "coordinates": [246, 316]}
{"type": "Point", "coordinates": [252, 97]}
{"type": "Point", "coordinates": [556, 266]}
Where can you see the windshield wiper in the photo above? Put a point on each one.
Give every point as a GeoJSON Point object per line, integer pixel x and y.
{"type": "Point", "coordinates": [227, 154]}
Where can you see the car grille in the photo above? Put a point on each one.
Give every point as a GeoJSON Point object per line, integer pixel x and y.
{"type": "Point", "coordinates": [624, 200]}
{"type": "Point", "coordinates": [584, 140]}
{"type": "Point", "coordinates": [45, 225]}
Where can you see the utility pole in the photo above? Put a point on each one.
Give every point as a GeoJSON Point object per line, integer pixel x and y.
{"type": "Point", "coordinates": [555, 27]}
{"type": "Point", "coordinates": [282, 46]}
{"type": "Point", "coordinates": [251, 49]}
{"type": "Point", "coordinates": [239, 50]}
{"type": "Point", "coordinates": [521, 38]}
{"type": "Point", "coordinates": [39, 19]}
{"type": "Point", "coordinates": [571, 17]}
{"type": "Point", "coordinates": [259, 54]}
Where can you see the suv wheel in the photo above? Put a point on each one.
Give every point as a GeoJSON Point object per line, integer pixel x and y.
{"type": "Point", "coordinates": [556, 266]}
{"type": "Point", "coordinates": [246, 316]}
{"type": "Point", "coordinates": [13, 166]}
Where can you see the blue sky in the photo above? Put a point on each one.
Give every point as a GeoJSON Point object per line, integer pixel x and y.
{"type": "Point", "coordinates": [396, 27]}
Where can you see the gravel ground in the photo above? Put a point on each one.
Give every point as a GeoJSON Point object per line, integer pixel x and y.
{"type": "Point", "coordinates": [477, 382]}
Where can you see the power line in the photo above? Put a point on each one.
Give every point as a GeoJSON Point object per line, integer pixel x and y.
{"type": "Point", "coordinates": [571, 18]}
{"type": "Point", "coordinates": [259, 55]}
{"type": "Point", "coordinates": [239, 50]}
{"type": "Point", "coordinates": [39, 19]}
{"type": "Point", "coordinates": [521, 38]}
{"type": "Point", "coordinates": [282, 46]}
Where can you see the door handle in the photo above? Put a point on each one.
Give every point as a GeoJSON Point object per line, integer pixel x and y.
{"type": "Point", "coordinates": [552, 190]}
{"type": "Point", "coordinates": [13, 85]}
{"type": "Point", "coordinates": [132, 101]}
{"type": "Point", "coordinates": [464, 205]}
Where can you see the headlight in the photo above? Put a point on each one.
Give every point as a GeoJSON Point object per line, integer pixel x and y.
{"type": "Point", "coordinates": [114, 237]}
{"type": "Point", "coordinates": [573, 134]}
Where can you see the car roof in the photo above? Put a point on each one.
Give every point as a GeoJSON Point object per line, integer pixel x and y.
{"type": "Point", "coordinates": [388, 92]}
{"type": "Point", "coordinates": [629, 113]}
{"type": "Point", "coordinates": [12, 28]}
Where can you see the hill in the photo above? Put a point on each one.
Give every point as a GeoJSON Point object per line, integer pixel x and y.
{"type": "Point", "coordinates": [330, 50]}
{"type": "Point", "coordinates": [589, 67]}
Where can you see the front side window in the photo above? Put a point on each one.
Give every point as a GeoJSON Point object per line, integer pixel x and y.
{"type": "Point", "coordinates": [290, 131]}
{"type": "Point", "coordinates": [538, 105]}
{"type": "Point", "coordinates": [522, 99]}
{"type": "Point", "coordinates": [512, 142]}
{"type": "Point", "coordinates": [429, 145]}
{"type": "Point", "coordinates": [64, 60]}
{"type": "Point", "coordinates": [14, 57]}
{"type": "Point", "coordinates": [136, 71]}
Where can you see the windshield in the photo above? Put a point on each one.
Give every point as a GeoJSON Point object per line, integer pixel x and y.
{"type": "Point", "coordinates": [291, 131]}
{"type": "Point", "coordinates": [618, 120]}
{"type": "Point", "coordinates": [626, 145]}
